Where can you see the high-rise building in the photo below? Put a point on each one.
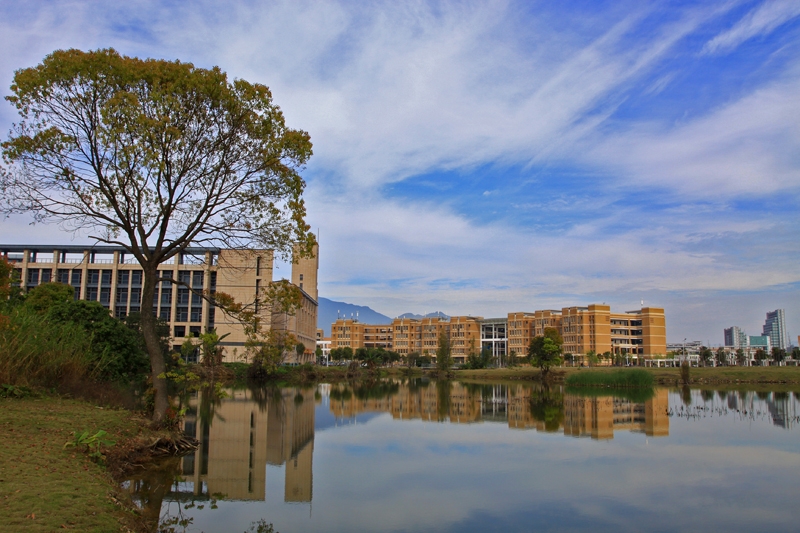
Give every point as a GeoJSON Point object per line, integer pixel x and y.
{"type": "Point", "coordinates": [775, 329]}
{"type": "Point", "coordinates": [735, 337]}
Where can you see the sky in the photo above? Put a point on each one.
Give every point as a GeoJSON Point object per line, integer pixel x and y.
{"type": "Point", "coordinates": [480, 158]}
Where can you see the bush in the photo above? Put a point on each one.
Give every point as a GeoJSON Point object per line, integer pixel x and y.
{"type": "Point", "coordinates": [117, 351]}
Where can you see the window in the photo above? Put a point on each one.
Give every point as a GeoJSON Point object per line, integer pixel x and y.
{"type": "Point", "coordinates": [46, 275]}
{"type": "Point", "coordinates": [136, 277]}
{"type": "Point", "coordinates": [164, 314]}
{"type": "Point", "coordinates": [122, 278]}
{"type": "Point", "coordinates": [183, 296]}
{"type": "Point", "coordinates": [181, 314]}
{"type": "Point", "coordinates": [105, 277]}
{"type": "Point", "coordinates": [122, 296]}
{"type": "Point", "coordinates": [136, 297]}
{"type": "Point", "coordinates": [180, 331]}
{"type": "Point", "coordinates": [33, 275]}
{"type": "Point", "coordinates": [194, 331]}
{"type": "Point", "coordinates": [120, 311]}
{"type": "Point", "coordinates": [105, 296]}
{"type": "Point", "coordinates": [196, 314]}
{"type": "Point", "coordinates": [92, 277]}
{"type": "Point", "coordinates": [301, 277]}
{"type": "Point", "coordinates": [197, 280]}
{"type": "Point", "coordinates": [62, 276]}
{"type": "Point", "coordinates": [76, 278]}
{"type": "Point", "coordinates": [91, 294]}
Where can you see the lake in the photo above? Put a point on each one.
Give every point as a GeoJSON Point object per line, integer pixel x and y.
{"type": "Point", "coordinates": [420, 455]}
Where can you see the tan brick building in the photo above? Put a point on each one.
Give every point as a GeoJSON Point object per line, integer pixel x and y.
{"type": "Point", "coordinates": [584, 329]}
{"type": "Point", "coordinates": [110, 276]}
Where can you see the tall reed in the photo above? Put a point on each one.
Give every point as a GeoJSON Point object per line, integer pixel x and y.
{"type": "Point", "coordinates": [626, 378]}
{"type": "Point", "coordinates": [35, 351]}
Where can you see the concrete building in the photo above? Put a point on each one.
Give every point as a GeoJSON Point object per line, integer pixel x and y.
{"type": "Point", "coordinates": [111, 276]}
{"type": "Point", "coordinates": [735, 338]}
{"type": "Point", "coordinates": [763, 342]}
{"type": "Point", "coordinates": [775, 329]}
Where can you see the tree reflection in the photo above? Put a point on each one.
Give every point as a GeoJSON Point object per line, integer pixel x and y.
{"type": "Point", "coordinates": [547, 406]}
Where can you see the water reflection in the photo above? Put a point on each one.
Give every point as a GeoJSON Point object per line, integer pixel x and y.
{"type": "Point", "coordinates": [245, 432]}
{"type": "Point", "coordinates": [441, 435]}
{"type": "Point", "coordinates": [575, 413]}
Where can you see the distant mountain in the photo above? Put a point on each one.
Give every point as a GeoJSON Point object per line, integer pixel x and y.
{"type": "Point", "coordinates": [437, 314]}
{"type": "Point", "coordinates": [328, 310]}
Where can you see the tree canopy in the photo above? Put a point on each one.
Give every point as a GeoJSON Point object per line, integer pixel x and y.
{"type": "Point", "coordinates": [544, 351]}
{"type": "Point", "coordinates": [154, 156]}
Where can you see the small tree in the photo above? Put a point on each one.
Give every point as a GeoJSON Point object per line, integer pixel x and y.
{"type": "Point", "coordinates": [444, 359]}
{"type": "Point", "coordinates": [592, 358]}
{"type": "Point", "coordinates": [706, 355]}
{"type": "Point", "coordinates": [760, 354]}
{"type": "Point", "coordinates": [544, 353]}
{"type": "Point", "coordinates": [741, 358]}
{"type": "Point", "coordinates": [778, 354]}
{"type": "Point", "coordinates": [411, 359]}
{"type": "Point", "coordinates": [513, 359]}
{"type": "Point", "coordinates": [722, 356]}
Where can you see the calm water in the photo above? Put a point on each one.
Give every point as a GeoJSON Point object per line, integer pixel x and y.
{"type": "Point", "coordinates": [427, 456]}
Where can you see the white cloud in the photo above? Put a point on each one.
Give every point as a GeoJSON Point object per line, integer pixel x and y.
{"type": "Point", "coordinates": [760, 21]}
{"type": "Point", "coordinates": [749, 146]}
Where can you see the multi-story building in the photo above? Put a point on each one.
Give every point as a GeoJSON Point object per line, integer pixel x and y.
{"type": "Point", "coordinates": [775, 329]}
{"type": "Point", "coordinates": [735, 337]}
{"type": "Point", "coordinates": [520, 332]}
{"type": "Point", "coordinates": [111, 276]}
{"type": "Point", "coordinates": [583, 329]}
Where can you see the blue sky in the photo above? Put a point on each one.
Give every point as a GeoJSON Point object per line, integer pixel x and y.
{"type": "Point", "coordinates": [486, 157]}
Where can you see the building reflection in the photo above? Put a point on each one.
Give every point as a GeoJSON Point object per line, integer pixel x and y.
{"type": "Point", "coordinates": [518, 406]}
{"type": "Point", "coordinates": [243, 433]}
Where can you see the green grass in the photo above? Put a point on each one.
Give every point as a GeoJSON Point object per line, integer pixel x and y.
{"type": "Point", "coordinates": [624, 378]}
{"type": "Point", "coordinates": [44, 487]}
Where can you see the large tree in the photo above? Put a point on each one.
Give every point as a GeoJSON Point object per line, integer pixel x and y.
{"type": "Point", "coordinates": [154, 156]}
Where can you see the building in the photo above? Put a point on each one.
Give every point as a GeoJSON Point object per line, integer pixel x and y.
{"type": "Point", "coordinates": [775, 329]}
{"type": "Point", "coordinates": [735, 338]}
{"type": "Point", "coordinates": [111, 276]}
{"type": "Point", "coordinates": [635, 334]}
{"type": "Point", "coordinates": [763, 342]}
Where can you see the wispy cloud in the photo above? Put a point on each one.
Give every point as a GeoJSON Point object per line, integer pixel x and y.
{"type": "Point", "coordinates": [480, 157]}
{"type": "Point", "coordinates": [759, 21]}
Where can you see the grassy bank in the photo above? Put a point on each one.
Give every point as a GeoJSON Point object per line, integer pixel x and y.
{"type": "Point", "coordinates": [44, 487]}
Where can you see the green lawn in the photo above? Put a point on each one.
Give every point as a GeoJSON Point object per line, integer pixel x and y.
{"type": "Point", "coordinates": [45, 488]}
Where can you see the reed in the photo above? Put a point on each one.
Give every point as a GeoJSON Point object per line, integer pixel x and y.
{"type": "Point", "coordinates": [635, 395]}
{"type": "Point", "coordinates": [38, 352]}
{"type": "Point", "coordinates": [624, 378]}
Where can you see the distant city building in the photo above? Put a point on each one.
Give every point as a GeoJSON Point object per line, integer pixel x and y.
{"type": "Point", "coordinates": [735, 338]}
{"type": "Point", "coordinates": [775, 329]}
{"type": "Point", "coordinates": [760, 341]}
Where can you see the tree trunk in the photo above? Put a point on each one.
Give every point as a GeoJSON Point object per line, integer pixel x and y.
{"type": "Point", "coordinates": [157, 365]}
